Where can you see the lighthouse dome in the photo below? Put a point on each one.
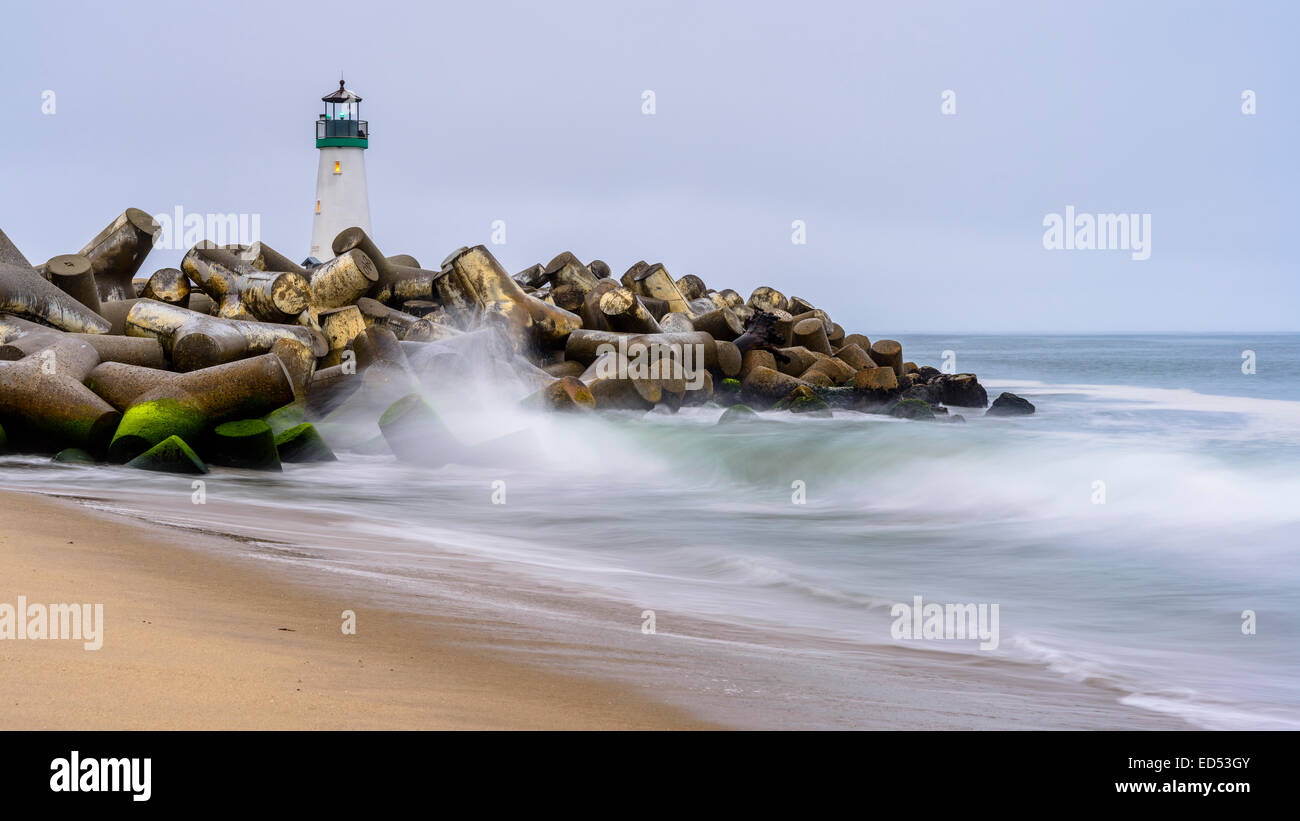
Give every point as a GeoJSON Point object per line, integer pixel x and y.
{"type": "Point", "coordinates": [341, 95]}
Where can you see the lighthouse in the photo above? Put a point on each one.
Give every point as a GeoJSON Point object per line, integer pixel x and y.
{"type": "Point", "coordinates": [341, 197]}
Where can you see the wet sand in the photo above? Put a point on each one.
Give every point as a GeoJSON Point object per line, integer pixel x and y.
{"type": "Point", "coordinates": [201, 635]}
{"type": "Point", "coordinates": [192, 641]}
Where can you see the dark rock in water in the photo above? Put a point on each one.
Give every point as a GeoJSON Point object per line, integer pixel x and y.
{"type": "Point", "coordinates": [928, 374]}
{"type": "Point", "coordinates": [247, 443]}
{"type": "Point", "coordinates": [931, 394]}
{"type": "Point", "coordinates": [73, 456]}
{"type": "Point", "coordinates": [727, 392]}
{"type": "Point", "coordinates": [171, 455]}
{"type": "Point", "coordinates": [910, 380]}
{"type": "Point", "coordinates": [963, 390]}
{"type": "Point", "coordinates": [303, 444]}
{"type": "Point", "coordinates": [803, 399]}
{"type": "Point", "coordinates": [956, 417]}
{"type": "Point", "coordinates": [1008, 404]}
{"type": "Point", "coordinates": [838, 397]}
{"type": "Point", "coordinates": [737, 413]}
{"type": "Point", "coordinates": [912, 409]}
{"type": "Point", "coordinates": [4, 440]}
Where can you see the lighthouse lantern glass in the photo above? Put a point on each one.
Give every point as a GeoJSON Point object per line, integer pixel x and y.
{"type": "Point", "coordinates": [342, 118]}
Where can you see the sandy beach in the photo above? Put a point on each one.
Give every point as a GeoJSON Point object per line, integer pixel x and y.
{"type": "Point", "coordinates": [195, 642]}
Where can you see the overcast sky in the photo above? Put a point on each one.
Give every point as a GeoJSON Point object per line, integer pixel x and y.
{"type": "Point", "coordinates": [765, 113]}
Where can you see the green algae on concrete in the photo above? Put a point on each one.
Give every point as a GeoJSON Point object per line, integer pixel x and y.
{"type": "Point", "coordinates": [171, 455]}
{"type": "Point", "coordinates": [912, 409]}
{"type": "Point", "coordinates": [727, 392]}
{"type": "Point", "coordinates": [737, 413]}
{"type": "Point", "coordinates": [73, 456]}
{"type": "Point", "coordinates": [287, 417]}
{"type": "Point", "coordinates": [246, 443]}
{"type": "Point", "coordinates": [92, 433]}
{"type": "Point", "coordinates": [415, 433]}
{"type": "Point", "coordinates": [148, 423]}
{"type": "Point", "coordinates": [303, 444]}
{"type": "Point", "coordinates": [804, 399]}
{"type": "Point", "coordinates": [189, 404]}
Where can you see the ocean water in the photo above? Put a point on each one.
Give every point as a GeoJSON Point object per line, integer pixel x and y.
{"type": "Point", "coordinates": [1122, 531]}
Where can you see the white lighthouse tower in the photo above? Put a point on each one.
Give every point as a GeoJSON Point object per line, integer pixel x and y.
{"type": "Point", "coordinates": [341, 197]}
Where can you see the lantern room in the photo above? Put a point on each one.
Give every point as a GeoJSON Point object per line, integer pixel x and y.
{"type": "Point", "coordinates": [341, 124]}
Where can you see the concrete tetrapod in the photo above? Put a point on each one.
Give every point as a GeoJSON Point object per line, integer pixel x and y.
{"type": "Point", "coordinates": [9, 253]}
{"type": "Point", "coordinates": [763, 387]}
{"type": "Point", "coordinates": [191, 403]}
{"type": "Point", "coordinates": [72, 274]}
{"type": "Point", "coordinates": [168, 285]}
{"type": "Point", "coordinates": [655, 282]}
{"type": "Point", "coordinates": [567, 393]}
{"type": "Point", "coordinates": [404, 259]}
{"type": "Point", "coordinates": [396, 281]}
{"type": "Point", "coordinates": [195, 340]}
{"type": "Point", "coordinates": [73, 456]}
{"type": "Point", "coordinates": [171, 455]}
{"type": "Point", "coordinates": [118, 383]}
{"type": "Point", "coordinates": [244, 292]}
{"type": "Point", "coordinates": [265, 258]}
{"type": "Point", "coordinates": [44, 405]}
{"type": "Point", "coordinates": [302, 443]}
{"type": "Point", "coordinates": [28, 337]}
{"type": "Point", "coordinates": [415, 434]}
{"type": "Point", "coordinates": [24, 293]}
{"type": "Point", "coordinates": [478, 274]}
{"type": "Point", "coordinates": [404, 325]}
{"type": "Point", "coordinates": [243, 443]}
{"type": "Point", "coordinates": [213, 271]}
{"type": "Point", "coordinates": [888, 354]}
{"type": "Point", "coordinates": [625, 311]}
{"type": "Point", "coordinates": [692, 287]}
{"type": "Point", "coordinates": [566, 271]}
{"type": "Point", "coordinates": [117, 252]}
{"type": "Point", "coordinates": [342, 281]}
